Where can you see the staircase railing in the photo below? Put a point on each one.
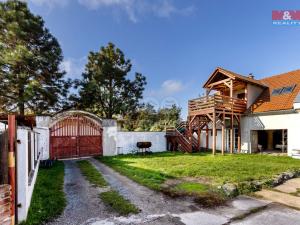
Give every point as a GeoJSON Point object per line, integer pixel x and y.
{"type": "Point", "coordinates": [186, 142]}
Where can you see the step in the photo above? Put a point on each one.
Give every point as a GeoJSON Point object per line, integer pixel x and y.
{"type": "Point", "coordinates": [296, 156]}
{"type": "Point", "coordinates": [296, 151]}
{"type": "Point", "coordinates": [282, 198]}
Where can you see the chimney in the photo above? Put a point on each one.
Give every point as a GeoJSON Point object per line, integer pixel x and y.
{"type": "Point", "coordinates": [251, 76]}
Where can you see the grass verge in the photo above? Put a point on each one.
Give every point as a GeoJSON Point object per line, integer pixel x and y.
{"type": "Point", "coordinates": [110, 198]}
{"type": "Point", "coordinates": [191, 187]}
{"type": "Point", "coordinates": [114, 200]}
{"type": "Point", "coordinates": [155, 169]}
{"type": "Point", "coordinates": [48, 199]}
{"type": "Point", "coordinates": [91, 173]}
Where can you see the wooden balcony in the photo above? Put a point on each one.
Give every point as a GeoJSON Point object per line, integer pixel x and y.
{"type": "Point", "coordinates": [220, 103]}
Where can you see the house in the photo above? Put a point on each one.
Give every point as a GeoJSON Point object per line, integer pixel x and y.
{"type": "Point", "coordinates": [243, 114]}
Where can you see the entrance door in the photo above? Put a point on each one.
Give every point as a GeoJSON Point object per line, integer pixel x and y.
{"type": "Point", "coordinates": [75, 136]}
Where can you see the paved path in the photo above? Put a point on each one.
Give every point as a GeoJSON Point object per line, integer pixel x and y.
{"type": "Point", "coordinates": [287, 193]}
{"type": "Point", "coordinates": [84, 206]}
{"type": "Point", "coordinates": [291, 186]}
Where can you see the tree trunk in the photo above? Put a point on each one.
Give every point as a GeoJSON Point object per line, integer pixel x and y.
{"type": "Point", "coordinates": [21, 104]}
{"type": "Point", "coordinates": [21, 108]}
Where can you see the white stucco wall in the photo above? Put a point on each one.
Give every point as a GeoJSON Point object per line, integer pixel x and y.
{"type": "Point", "coordinates": [43, 142]}
{"type": "Point", "coordinates": [290, 121]}
{"type": "Point", "coordinates": [42, 127]}
{"type": "Point", "coordinates": [25, 188]}
{"type": "Point", "coordinates": [2, 127]}
{"type": "Point", "coordinates": [210, 138]}
{"type": "Point", "coordinates": [252, 93]}
{"type": "Point", "coordinates": [126, 141]}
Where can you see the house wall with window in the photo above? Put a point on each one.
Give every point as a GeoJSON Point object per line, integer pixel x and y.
{"type": "Point", "coordinates": [28, 158]}
{"type": "Point", "coordinates": [283, 121]}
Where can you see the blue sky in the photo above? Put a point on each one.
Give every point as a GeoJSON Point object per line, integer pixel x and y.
{"type": "Point", "coordinates": [176, 44]}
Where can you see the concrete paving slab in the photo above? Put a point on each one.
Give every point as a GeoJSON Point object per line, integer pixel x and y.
{"type": "Point", "coordinates": [247, 203]}
{"type": "Point", "coordinates": [239, 206]}
{"type": "Point", "coordinates": [291, 186]}
{"type": "Point", "coordinates": [201, 218]}
{"type": "Point", "coordinates": [275, 215]}
{"type": "Point", "coordinates": [283, 198]}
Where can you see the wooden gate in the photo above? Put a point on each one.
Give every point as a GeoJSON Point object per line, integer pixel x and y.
{"type": "Point", "coordinates": [75, 136]}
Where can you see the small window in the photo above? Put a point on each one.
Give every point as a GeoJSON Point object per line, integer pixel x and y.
{"type": "Point", "coordinates": [287, 90]}
{"type": "Point", "coordinates": [277, 91]}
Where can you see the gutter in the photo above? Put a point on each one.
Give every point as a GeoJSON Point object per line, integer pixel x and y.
{"type": "Point", "coordinates": [278, 112]}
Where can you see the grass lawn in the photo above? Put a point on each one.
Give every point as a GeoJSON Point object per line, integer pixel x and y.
{"type": "Point", "coordinates": [48, 199]}
{"type": "Point", "coordinates": [118, 203]}
{"type": "Point", "coordinates": [191, 187]}
{"type": "Point", "coordinates": [91, 173]}
{"type": "Point", "coordinates": [153, 170]}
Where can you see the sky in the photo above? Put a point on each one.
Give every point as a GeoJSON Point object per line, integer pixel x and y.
{"type": "Point", "coordinates": [176, 44]}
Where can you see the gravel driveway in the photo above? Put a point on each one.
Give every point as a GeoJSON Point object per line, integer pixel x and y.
{"type": "Point", "coordinates": [83, 202]}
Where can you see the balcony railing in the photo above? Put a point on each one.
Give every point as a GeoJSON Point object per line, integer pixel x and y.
{"type": "Point", "coordinates": [218, 102]}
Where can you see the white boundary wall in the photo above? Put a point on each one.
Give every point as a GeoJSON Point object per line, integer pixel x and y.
{"type": "Point", "coordinates": [290, 121]}
{"type": "Point", "coordinates": [126, 141]}
{"type": "Point", "coordinates": [25, 182]}
{"type": "Point", "coordinates": [114, 142]}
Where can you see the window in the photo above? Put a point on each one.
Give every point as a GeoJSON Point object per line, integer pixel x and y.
{"type": "Point", "coordinates": [288, 89]}
{"type": "Point", "coordinates": [277, 91]}
{"type": "Point", "coordinates": [283, 90]}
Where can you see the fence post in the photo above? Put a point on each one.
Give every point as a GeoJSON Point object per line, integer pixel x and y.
{"type": "Point", "coordinates": [11, 163]}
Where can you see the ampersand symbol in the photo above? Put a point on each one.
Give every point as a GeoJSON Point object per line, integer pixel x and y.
{"type": "Point", "coordinates": [286, 15]}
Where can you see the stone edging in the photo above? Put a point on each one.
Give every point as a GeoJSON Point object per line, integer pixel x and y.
{"type": "Point", "coordinates": [232, 190]}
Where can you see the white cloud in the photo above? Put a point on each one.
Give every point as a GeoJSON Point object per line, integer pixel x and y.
{"type": "Point", "coordinates": [73, 67]}
{"type": "Point", "coordinates": [172, 86]}
{"type": "Point", "coordinates": [166, 95]}
{"type": "Point", "coordinates": [139, 8]}
{"type": "Point", "coordinates": [134, 9]}
{"type": "Point", "coordinates": [169, 88]}
{"type": "Point", "coordinates": [50, 3]}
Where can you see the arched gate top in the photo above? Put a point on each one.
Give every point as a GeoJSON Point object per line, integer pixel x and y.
{"type": "Point", "coordinates": [72, 113]}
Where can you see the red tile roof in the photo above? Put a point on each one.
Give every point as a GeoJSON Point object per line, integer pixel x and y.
{"type": "Point", "coordinates": [267, 102]}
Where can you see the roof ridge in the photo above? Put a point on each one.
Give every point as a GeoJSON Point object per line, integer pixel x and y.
{"type": "Point", "coordinates": [278, 75]}
{"type": "Point", "coordinates": [236, 73]}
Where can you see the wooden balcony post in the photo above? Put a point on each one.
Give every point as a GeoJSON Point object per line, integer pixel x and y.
{"type": "Point", "coordinates": [231, 134]}
{"type": "Point", "coordinates": [214, 133]}
{"type": "Point", "coordinates": [199, 134]}
{"type": "Point", "coordinates": [231, 88]}
{"type": "Point", "coordinates": [207, 137]}
{"type": "Point", "coordinates": [223, 134]}
{"type": "Point", "coordinates": [239, 135]}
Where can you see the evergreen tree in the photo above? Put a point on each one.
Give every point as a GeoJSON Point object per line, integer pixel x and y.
{"type": "Point", "coordinates": [30, 78]}
{"type": "Point", "coordinates": [105, 88]}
